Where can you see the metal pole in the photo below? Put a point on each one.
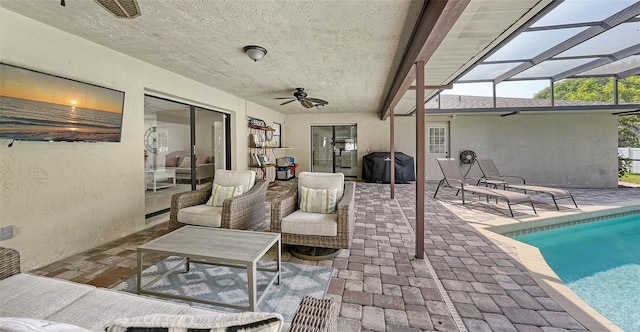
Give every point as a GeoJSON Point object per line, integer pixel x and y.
{"type": "Point", "coordinates": [192, 123]}
{"type": "Point", "coordinates": [392, 169]}
{"type": "Point", "coordinates": [420, 160]}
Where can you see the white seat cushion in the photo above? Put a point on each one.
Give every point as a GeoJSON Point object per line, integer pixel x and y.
{"type": "Point", "coordinates": [20, 324]}
{"type": "Point", "coordinates": [26, 295]}
{"type": "Point", "coordinates": [306, 223]}
{"type": "Point", "coordinates": [201, 215]}
{"type": "Point", "coordinates": [226, 178]}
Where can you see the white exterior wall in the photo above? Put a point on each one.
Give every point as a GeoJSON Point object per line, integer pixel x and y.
{"type": "Point", "coordinates": [64, 198]}
{"type": "Point", "coordinates": [577, 150]}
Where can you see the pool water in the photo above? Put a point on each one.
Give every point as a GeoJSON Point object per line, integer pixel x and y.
{"type": "Point", "coordinates": [600, 262]}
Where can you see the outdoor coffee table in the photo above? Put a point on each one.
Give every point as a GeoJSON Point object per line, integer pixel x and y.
{"type": "Point", "coordinates": [214, 246]}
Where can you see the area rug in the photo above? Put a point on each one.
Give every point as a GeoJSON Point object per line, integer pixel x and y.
{"type": "Point", "coordinates": [229, 284]}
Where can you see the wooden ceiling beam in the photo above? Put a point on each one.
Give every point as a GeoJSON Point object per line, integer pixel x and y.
{"type": "Point", "coordinates": [435, 21]}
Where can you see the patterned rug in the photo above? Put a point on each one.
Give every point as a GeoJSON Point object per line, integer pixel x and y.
{"type": "Point", "coordinates": [229, 285]}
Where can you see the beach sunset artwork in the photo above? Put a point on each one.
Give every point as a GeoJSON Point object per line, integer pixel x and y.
{"type": "Point", "coordinates": [38, 106]}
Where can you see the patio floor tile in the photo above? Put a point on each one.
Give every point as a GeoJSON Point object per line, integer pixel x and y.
{"type": "Point", "coordinates": [466, 282]}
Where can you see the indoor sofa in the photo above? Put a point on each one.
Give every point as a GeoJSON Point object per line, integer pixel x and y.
{"type": "Point", "coordinates": [52, 303]}
{"type": "Point", "coordinates": [180, 161]}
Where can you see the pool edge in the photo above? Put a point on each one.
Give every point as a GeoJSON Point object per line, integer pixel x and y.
{"type": "Point", "coordinates": [545, 277]}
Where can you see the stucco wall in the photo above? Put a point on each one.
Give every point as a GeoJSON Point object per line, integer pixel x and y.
{"type": "Point", "coordinates": [64, 198]}
{"type": "Point", "coordinates": [577, 150]}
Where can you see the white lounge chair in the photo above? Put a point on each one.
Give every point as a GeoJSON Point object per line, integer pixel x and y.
{"type": "Point", "coordinates": [491, 176]}
{"type": "Point", "coordinates": [453, 178]}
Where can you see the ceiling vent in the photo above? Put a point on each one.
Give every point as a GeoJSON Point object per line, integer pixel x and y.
{"type": "Point", "coordinates": [121, 8]}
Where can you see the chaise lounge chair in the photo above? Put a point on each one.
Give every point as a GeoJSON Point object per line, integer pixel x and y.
{"type": "Point", "coordinates": [453, 178]}
{"type": "Point", "coordinates": [491, 176]}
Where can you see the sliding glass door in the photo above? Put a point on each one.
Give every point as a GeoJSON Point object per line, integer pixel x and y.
{"type": "Point", "coordinates": [184, 145]}
{"type": "Point", "coordinates": [334, 149]}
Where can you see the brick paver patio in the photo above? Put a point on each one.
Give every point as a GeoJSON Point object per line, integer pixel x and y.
{"type": "Point", "coordinates": [466, 282]}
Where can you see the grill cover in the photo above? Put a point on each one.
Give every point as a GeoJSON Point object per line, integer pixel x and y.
{"type": "Point", "coordinates": [376, 167]}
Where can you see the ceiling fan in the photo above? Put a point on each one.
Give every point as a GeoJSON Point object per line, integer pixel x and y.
{"type": "Point", "coordinates": [119, 8]}
{"type": "Point", "coordinates": [301, 96]}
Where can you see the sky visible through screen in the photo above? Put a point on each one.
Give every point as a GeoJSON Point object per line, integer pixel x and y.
{"type": "Point", "coordinates": [518, 89]}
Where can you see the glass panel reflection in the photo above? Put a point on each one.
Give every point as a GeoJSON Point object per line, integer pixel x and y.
{"type": "Point", "coordinates": [529, 44]}
{"type": "Point", "coordinates": [610, 41]}
{"type": "Point", "coordinates": [578, 11]}
{"type": "Point", "coordinates": [551, 67]}
{"type": "Point", "coordinates": [489, 71]}
{"type": "Point", "coordinates": [615, 67]}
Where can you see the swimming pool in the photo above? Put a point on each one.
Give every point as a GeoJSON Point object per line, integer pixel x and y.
{"type": "Point", "coordinates": [599, 261]}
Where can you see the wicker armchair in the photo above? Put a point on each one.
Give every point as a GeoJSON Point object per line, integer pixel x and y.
{"type": "Point", "coordinates": [246, 211]}
{"type": "Point", "coordinates": [9, 262]}
{"type": "Point", "coordinates": [286, 208]}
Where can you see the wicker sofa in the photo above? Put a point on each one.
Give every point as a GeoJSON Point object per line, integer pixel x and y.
{"type": "Point", "coordinates": [30, 296]}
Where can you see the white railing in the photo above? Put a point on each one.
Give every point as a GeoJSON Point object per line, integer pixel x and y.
{"type": "Point", "coordinates": [633, 154]}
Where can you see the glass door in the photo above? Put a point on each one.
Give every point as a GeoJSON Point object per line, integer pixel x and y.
{"type": "Point", "coordinates": [335, 149]}
{"type": "Point", "coordinates": [184, 145]}
{"type": "Point", "coordinates": [437, 146]}
{"type": "Point", "coordinates": [322, 149]}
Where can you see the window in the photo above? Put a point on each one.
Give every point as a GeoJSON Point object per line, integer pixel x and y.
{"type": "Point", "coordinates": [277, 136]}
{"type": "Point", "coordinates": [437, 140]}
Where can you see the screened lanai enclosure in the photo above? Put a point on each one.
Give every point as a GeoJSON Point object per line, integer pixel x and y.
{"type": "Point", "coordinates": [573, 56]}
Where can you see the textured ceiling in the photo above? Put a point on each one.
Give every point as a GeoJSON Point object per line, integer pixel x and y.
{"type": "Point", "coordinates": [345, 52]}
{"type": "Point", "coordinates": [340, 51]}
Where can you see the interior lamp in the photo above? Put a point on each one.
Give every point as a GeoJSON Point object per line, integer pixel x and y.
{"type": "Point", "coordinates": [255, 52]}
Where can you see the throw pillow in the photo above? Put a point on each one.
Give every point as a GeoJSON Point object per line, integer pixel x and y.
{"type": "Point", "coordinates": [13, 324]}
{"type": "Point", "coordinates": [240, 322]}
{"type": "Point", "coordinates": [202, 160]}
{"type": "Point", "coordinates": [318, 200]}
{"type": "Point", "coordinates": [185, 163]}
{"type": "Point", "coordinates": [220, 193]}
{"type": "Point", "coordinates": [171, 162]}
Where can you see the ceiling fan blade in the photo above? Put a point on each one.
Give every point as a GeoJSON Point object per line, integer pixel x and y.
{"type": "Point", "coordinates": [318, 101]}
{"type": "Point", "coordinates": [286, 102]}
{"type": "Point", "coordinates": [285, 98]}
{"type": "Point", "coordinates": [306, 103]}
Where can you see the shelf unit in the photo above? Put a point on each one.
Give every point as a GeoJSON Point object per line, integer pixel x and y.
{"type": "Point", "coordinates": [266, 167]}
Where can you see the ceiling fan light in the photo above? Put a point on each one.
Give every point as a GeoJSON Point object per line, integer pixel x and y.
{"type": "Point", "coordinates": [255, 52]}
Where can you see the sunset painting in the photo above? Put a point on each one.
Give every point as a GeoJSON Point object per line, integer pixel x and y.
{"type": "Point", "coordinates": [38, 106]}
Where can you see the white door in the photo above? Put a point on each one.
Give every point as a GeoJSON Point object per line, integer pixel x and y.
{"type": "Point", "coordinates": [437, 146]}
